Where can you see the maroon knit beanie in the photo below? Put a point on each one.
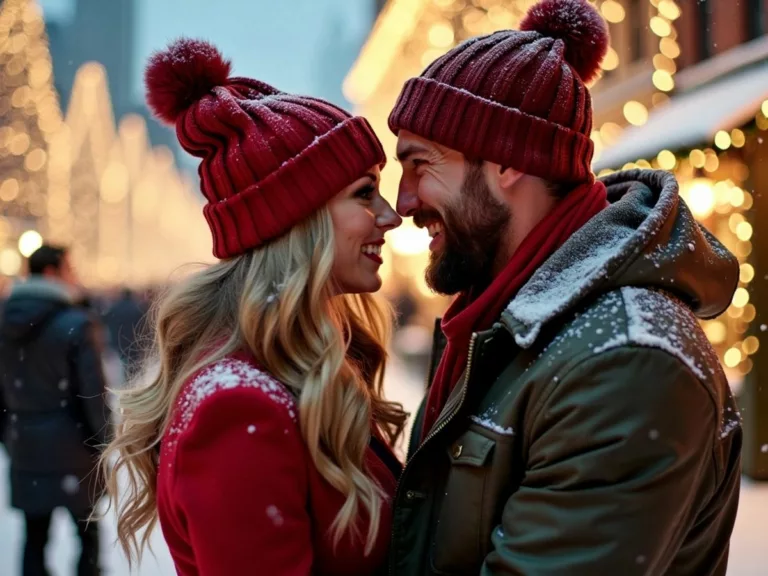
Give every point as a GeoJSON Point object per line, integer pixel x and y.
{"type": "Point", "coordinates": [269, 159]}
{"type": "Point", "coordinates": [515, 98]}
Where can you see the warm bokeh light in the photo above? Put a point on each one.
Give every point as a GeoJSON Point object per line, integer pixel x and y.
{"type": "Point", "coordinates": [612, 11]}
{"type": "Point", "coordinates": [732, 357]}
{"type": "Point", "coordinates": [746, 273]}
{"type": "Point", "coordinates": [700, 197]}
{"type": "Point", "coordinates": [663, 80]}
{"type": "Point", "coordinates": [441, 35]}
{"type": "Point", "coordinates": [669, 48]}
{"type": "Point", "coordinates": [29, 242]}
{"type": "Point", "coordinates": [697, 158]}
{"type": "Point", "coordinates": [409, 240]}
{"type": "Point", "coordinates": [635, 113]}
{"type": "Point", "coordinates": [660, 26]}
{"type": "Point", "coordinates": [750, 345]}
{"type": "Point", "coordinates": [10, 262]}
{"type": "Point", "coordinates": [666, 160]}
{"type": "Point", "coordinates": [740, 297]}
{"type": "Point", "coordinates": [738, 139]}
{"type": "Point", "coordinates": [611, 60]}
{"type": "Point", "coordinates": [669, 9]}
{"type": "Point", "coordinates": [716, 331]}
{"type": "Point", "coordinates": [723, 140]}
{"type": "Point", "coordinates": [744, 231]}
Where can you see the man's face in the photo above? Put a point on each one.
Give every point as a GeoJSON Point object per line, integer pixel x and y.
{"type": "Point", "coordinates": [66, 272]}
{"type": "Point", "coordinates": [450, 197]}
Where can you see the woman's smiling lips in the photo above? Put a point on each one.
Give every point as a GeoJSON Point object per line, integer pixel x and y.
{"type": "Point", "coordinates": [373, 251]}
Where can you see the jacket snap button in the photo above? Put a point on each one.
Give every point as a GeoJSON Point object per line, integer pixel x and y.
{"type": "Point", "coordinates": [410, 495]}
{"type": "Point", "coordinates": [457, 450]}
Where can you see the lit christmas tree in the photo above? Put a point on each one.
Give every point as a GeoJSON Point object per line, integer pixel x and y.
{"type": "Point", "coordinates": [30, 119]}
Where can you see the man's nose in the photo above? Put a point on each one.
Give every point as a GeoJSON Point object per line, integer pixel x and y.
{"type": "Point", "coordinates": [407, 198]}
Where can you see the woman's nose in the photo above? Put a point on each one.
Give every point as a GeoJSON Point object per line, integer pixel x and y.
{"type": "Point", "coordinates": [388, 218]}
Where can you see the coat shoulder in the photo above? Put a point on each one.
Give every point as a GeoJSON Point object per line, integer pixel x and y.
{"type": "Point", "coordinates": [219, 382]}
{"type": "Point", "coordinates": [633, 317]}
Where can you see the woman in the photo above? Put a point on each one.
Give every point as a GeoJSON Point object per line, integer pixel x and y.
{"type": "Point", "coordinates": [263, 445]}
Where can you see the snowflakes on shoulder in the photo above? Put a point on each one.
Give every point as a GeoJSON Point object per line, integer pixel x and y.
{"type": "Point", "coordinates": [228, 374]}
{"type": "Point", "coordinates": [489, 424]}
{"type": "Point", "coordinates": [658, 320]}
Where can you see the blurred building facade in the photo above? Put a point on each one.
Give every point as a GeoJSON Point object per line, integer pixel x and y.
{"type": "Point", "coordinates": [105, 32]}
{"type": "Point", "coordinates": [684, 88]}
{"type": "Point", "coordinates": [81, 178]}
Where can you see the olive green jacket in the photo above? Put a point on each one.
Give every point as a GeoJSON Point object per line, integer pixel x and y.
{"type": "Point", "coordinates": [593, 431]}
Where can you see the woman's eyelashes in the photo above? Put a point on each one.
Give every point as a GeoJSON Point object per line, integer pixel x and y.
{"type": "Point", "coordinates": [366, 193]}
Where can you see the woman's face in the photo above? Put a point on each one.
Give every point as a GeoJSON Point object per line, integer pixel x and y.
{"type": "Point", "coordinates": [360, 216]}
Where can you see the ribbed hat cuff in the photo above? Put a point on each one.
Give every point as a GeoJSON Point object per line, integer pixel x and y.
{"type": "Point", "coordinates": [486, 130]}
{"type": "Point", "coordinates": [297, 189]}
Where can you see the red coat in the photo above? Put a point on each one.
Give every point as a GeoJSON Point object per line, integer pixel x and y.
{"type": "Point", "coordinates": [237, 492]}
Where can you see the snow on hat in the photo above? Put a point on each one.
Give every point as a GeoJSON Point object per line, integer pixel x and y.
{"type": "Point", "coordinates": [269, 159]}
{"type": "Point", "coordinates": [515, 97]}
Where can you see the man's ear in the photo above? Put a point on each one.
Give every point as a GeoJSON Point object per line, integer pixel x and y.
{"type": "Point", "coordinates": [507, 177]}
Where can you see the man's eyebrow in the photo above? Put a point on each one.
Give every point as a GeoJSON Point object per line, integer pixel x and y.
{"type": "Point", "coordinates": [408, 151]}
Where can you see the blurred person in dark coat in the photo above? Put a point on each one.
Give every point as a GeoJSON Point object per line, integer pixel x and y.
{"type": "Point", "coordinates": [126, 321]}
{"type": "Point", "coordinates": [52, 385]}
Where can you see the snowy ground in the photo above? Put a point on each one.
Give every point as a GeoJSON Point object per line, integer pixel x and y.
{"type": "Point", "coordinates": [748, 546]}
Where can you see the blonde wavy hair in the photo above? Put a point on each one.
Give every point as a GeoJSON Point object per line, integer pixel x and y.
{"type": "Point", "coordinates": [280, 303]}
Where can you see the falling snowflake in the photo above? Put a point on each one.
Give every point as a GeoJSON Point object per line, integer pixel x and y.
{"type": "Point", "coordinates": [764, 449]}
{"type": "Point", "coordinates": [640, 559]}
{"type": "Point", "coordinates": [18, 383]}
{"type": "Point", "coordinates": [63, 384]}
{"type": "Point", "coordinates": [63, 403]}
{"type": "Point", "coordinates": [653, 434]}
{"type": "Point", "coordinates": [274, 514]}
{"type": "Point", "coordinates": [763, 327]}
{"type": "Point", "coordinates": [70, 484]}
{"type": "Point", "coordinates": [251, 429]}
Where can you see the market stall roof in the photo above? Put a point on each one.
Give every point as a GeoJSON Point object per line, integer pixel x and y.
{"type": "Point", "coordinates": [692, 118]}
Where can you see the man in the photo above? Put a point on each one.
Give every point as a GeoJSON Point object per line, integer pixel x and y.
{"type": "Point", "coordinates": [126, 321]}
{"type": "Point", "coordinates": [578, 421]}
{"type": "Point", "coordinates": [52, 386]}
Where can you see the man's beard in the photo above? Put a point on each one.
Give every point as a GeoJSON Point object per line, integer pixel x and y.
{"type": "Point", "coordinates": [473, 231]}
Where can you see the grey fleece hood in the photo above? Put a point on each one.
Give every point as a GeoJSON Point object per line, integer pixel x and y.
{"type": "Point", "coordinates": [646, 238]}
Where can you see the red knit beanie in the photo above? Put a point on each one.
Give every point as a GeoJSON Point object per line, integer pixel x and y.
{"type": "Point", "coordinates": [269, 159]}
{"type": "Point", "coordinates": [515, 98]}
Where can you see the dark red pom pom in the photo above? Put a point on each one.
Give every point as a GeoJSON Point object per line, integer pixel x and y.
{"type": "Point", "coordinates": [182, 74]}
{"type": "Point", "coordinates": [578, 25]}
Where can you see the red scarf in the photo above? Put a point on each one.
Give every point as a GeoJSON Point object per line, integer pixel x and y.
{"type": "Point", "coordinates": [465, 316]}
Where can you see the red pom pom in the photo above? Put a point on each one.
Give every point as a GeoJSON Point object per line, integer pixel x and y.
{"type": "Point", "coordinates": [181, 74]}
{"type": "Point", "coordinates": [578, 25]}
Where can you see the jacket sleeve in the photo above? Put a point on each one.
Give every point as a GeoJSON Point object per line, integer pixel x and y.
{"type": "Point", "coordinates": [91, 384]}
{"type": "Point", "coordinates": [616, 454]}
{"type": "Point", "coordinates": [242, 487]}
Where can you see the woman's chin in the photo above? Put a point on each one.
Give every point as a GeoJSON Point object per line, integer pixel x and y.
{"type": "Point", "coordinates": [362, 284]}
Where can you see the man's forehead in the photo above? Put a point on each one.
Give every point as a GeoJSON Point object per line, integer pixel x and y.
{"type": "Point", "coordinates": [409, 143]}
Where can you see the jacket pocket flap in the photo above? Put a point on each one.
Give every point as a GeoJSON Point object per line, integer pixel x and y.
{"type": "Point", "coordinates": [471, 449]}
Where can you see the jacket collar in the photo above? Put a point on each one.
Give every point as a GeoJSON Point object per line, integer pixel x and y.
{"type": "Point", "coordinates": [43, 288]}
{"type": "Point", "coordinates": [645, 218]}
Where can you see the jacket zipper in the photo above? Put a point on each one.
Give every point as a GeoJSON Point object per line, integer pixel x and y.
{"type": "Point", "coordinates": [434, 433]}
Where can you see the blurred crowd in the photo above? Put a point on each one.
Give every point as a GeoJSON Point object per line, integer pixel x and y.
{"type": "Point", "coordinates": [61, 349]}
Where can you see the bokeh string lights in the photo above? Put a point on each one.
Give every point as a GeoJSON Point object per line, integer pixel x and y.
{"type": "Point", "coordinates": [714, 183]}
{"type": "Point", "coordinates": [128, 214]}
